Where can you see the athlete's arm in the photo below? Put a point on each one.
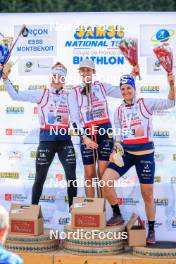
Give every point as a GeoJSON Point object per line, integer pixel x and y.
{"type": "Point", "coordinates": [161, 104]}
{"type": "Point", "coordinates": [76, 121]}
{"type": "Point", "coordinates": [172, 90]}
{"type": "Point", "coordinates": [117, 146]}
{"type": "Point", "coordinates": [27, 96]}
{"type": "Point", "coordinates": [111, 90]}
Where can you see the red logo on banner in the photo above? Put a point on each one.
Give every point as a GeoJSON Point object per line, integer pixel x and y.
{"type": "Point", "coordinates": [8, 197]}
{"type": "Point", "coordinates": [35, 110]}
{"type": "Point", "coordinates": [59, 177]}
{"type": "Point", "coordinates": [9, 131]}
{"type": "Point", "coordinates": [120, 201]}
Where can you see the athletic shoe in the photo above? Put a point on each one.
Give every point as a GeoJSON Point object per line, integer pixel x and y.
{"type": "Point", "coordinates": [115, 220]}
{"type": "Point", "coordinates": [151, 237]}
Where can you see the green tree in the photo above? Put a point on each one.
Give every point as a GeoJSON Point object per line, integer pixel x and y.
{"type": "Point", "coordinates": [85, 5]}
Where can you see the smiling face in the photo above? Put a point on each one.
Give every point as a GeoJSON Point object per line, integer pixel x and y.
{"type": "Point", "coordinates": [128, 92]}
{"type": "Point", "coordinates": [86, 74]}
{"type": "Point", "coordinates": [57, 80]}
{"type": "Point", "coordinates": [59, 72]}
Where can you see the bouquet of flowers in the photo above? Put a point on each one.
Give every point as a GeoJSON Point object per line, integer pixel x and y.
{"type": "Point", "coordinates": [129, 49]}
{"type": "Point", "coordinates": [165, 57]}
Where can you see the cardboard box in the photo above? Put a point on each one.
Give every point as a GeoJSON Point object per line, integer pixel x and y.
{"type": "Point", "coordinates": [136, 233]}
{"type": "Point", "coordinates": [26, 219]}
{"type": "Point", "coordinates": [88, 213]}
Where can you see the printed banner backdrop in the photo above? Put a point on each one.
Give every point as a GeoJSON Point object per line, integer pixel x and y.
{"type": "Point", "coordinates": [70, 37]}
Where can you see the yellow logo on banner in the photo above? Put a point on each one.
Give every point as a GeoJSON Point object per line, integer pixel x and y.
{"type": "Point", "coordinates": [100, 32]}
{"type": "Point", "coordinates": [157, 179]}
{"type": "Point", "coordinates": [15, 109]}
{"type": "Point", "coordinates": [37, 86]}
{"type": "Point", "coordinates": [3, 89]}
{"type": "Point", "coordinates": [9, 175]}
{"type": "Point", "coordinates": [150, 89]}
{"type": "Point", "coordinates": [48, 198]}
{"type": "Point", "coordinates": [161, 201]}
{"type": "Point", "coordinates": [161, 133]}
{"type": "Point", "coordinates": [33, 154]}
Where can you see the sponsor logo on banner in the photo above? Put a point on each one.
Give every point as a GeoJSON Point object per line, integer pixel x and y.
{"type": "Point", "coordinates": [33, 154]}
{"type": "Point", "coordinates": [35, 110]}
{"type": "Point", "coordinates": [48, 198]}
{"type": "Point", "coordinates": [150, 89]}
{"type": "Point", "coordinates": [37, 86]}
{"type": "Point", "coordinates": [66, 199]}
{"type": "Point", "coordinates": [174, 223]}
{"type": "Point", "coordinates": [161, 134]}
{"type": "Point", "coordinates": [15, 197]}
{"type": "Point", "coordinates": [127, 201]}
{"type": "Point", "coordinates": [157, 179]}
{"type": "Point", "coordinates": [35, 66]}
{"type": "Point", "coordinates": [162, 112]}
{"type": "Point", "coordinates": [8, 197]}
{"type": "Point", "coordinates": [9, 175]}
{"type": "Point", "coordinates": [15, 155]}
{"type": "Point", "coordinates": [41, 41]}
{"type": "Point", "coordinates": [156, 66]}
{"type": "Point", "coordinates": [59, 177]}
{"type": "Point", "coordinates": [159, 157]}
{"type": "Point", "coordinates": [31, 176]}
{"type": "Point", "coordinates": [173, 179]}
{"type": "Point", "coordinates": [16, 132]}
{"type": "Point", "coordinates": [157, 224]}
{"type": "Point", "coordinates": [15, 110]}
{"type": "Point", "coordinates": [47, 220]}
{"type": "Point", "coordinates": [163, 35]}
{"type": "Point", "coordinates": [154, 35]}
{"type": "Point", "coordinates": [63, 220]}
{"type": "Point", "coordinates": [98, 43]}
{"type": "Point", "coordinates": [3, 89]}
{"type": "Point", "coordinates": [161, 201]}
{"type": "Point", "coordinates": [174, 157]}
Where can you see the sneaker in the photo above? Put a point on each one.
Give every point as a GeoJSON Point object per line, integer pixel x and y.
{"type": "Point", "coordinates": [115, 220]}
{"type": "Point", "coordinates": [151, 237]}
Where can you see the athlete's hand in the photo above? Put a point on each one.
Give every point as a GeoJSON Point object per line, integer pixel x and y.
{"type": "Point", "coordinates": [111, 157]}
{"type": "Point", "coordinates": [135, 70]}
{"type": "Point", "coordinates": [118, 148]}
{"type": "Point", "coordinates": [90, 143]}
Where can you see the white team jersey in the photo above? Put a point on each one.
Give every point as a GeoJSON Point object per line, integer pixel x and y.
{"type": "Point", "coordinates": [53, 108]}
{"type": "Point", "coordinates": [135, 121]}
{"type": "Point", "coordinates": [92, 109]}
